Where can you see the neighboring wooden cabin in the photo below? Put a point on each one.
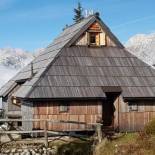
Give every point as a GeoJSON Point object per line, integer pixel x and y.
{"type": "Point", "coordinates": [85, 75]}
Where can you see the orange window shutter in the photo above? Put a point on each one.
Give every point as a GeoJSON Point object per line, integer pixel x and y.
{"type": "Point", "coordinates": [98, 39]}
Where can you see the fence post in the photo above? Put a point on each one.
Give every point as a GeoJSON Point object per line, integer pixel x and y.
{"type": "Point", "coordinates": [99, 132]}
{"type": "Point", "coordinates": [45, 133]}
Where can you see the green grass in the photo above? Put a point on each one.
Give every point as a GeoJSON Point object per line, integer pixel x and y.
{"type": "Point", "coordinates": [125, 144]}
{"type": "Point", "coordinates": [131, 143]}
{"type": "Point", "coordinates": [72, 146]}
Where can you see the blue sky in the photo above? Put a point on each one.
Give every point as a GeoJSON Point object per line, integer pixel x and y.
{"type": "Point", "coordinates": [32, 24]}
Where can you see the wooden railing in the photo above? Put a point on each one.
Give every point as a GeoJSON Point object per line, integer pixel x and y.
{"type": "Point", "coordinates": [45, 131]}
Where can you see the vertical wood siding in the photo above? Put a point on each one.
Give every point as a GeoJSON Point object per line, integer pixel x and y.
{"type": "Point", "coordinates": [88, 111]}
{"type": "Point", "coordinates": [135, 120]}
{"type": "Point", "coordinates": [27, 113]}
{"type": "Point", "coordinates": [11, 106]}
{"type": "Point", "coordinates": [83, 40]}
{"type": "Point", "coordinates": [110, 42]}
{"type": "Point", "coordinates": [82, 111]}
{"type": "Point", "coordinates": [101, 38]}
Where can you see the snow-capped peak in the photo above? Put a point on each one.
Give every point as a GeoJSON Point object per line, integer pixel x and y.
{"type": "Point", "coordinates": [143, 46]}
{"type": "Point", "coordinates": [14, 57]}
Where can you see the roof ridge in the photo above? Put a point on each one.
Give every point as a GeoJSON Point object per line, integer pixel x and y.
{"type": "Point", "coordinates": [90, 16]}
{"type": "Point", "coordinates": [90, 21]}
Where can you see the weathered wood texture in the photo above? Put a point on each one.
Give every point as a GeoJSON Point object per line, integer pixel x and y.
{"type": "Point", "coordinates": [11, 110]}
{"type": "Point", "coordinates": [109, 42]}
{"type": "Point", "coordinates": [80, 72]}
{"type": "Point", "coordinates": [95, 27]}
{"type": "Point", "coordinates": [116, 113]}
{"type": "Point", "coordinates": [82, 111]}
{"type": "Point", "coordinates": [83, 40]}
{"type": "Point", "coordinates": [11, 106]}
{"type": "Point", "coordinates": [27, 113]}
{"type": "Point", "coordinates": [134, 120]}
{"type": "Point", "coordinates": [102, 38]}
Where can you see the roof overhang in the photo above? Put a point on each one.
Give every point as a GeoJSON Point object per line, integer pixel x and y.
{"type": "Point", "coordinates": [111, 89]}
{"type": "Point", "coordinates": [138, 98]}
{"type": "Point", "coordinates": [62, 99]}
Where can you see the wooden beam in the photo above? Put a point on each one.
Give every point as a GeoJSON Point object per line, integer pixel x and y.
{"type": "Point", "coordinates": [99, 132]}
{"type": "Point", "coordinates": [21, 132]}
{"type": "Point", "coordinates": [46, 133]}
{"type": "Point", "coordinates": [21, 120]}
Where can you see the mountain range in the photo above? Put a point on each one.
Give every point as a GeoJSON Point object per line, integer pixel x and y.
{"type": "Point", "coordinates": [143, 46]}
{"type": "Point", "coordinates": [13, 59]}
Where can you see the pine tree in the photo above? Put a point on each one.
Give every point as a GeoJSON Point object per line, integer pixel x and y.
{"type": "Point", "coordinates": [78, 13]}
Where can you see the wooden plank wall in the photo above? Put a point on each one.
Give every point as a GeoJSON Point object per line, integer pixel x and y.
{"type": "Point", "coordinates": [102, 38]}
{"type": "Point", "coordinates": [135, 120]}
{"type": "Point", "coordinates": [83, 40]}
{"type": "Point", "coordinates": [11, 106]}
{"type": "Point", "coordinates": [110, 42]}
{"type": "Point", "coordinates": [27, 113]}
{"type": "Point", "coordinates": [82, 111]}
{"type": "Point", "coordinates": [95, 27]}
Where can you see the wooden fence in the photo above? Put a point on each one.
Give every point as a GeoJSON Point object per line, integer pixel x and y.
{"type": "Point", "coordinates": [45, 131]}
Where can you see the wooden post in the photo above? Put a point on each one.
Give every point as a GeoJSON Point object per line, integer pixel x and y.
{"type": "Point", "coordinates": [118, 112]}
{"type": "Point", "coordinates": [99, 132]}
{"type": "Point", "coordinates": [45, 134]}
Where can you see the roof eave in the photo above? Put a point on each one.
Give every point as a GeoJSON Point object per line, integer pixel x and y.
{"type": "Point", "coordinates": [138, 98]}
{"type": "Point", "coordinates": [62, 98]}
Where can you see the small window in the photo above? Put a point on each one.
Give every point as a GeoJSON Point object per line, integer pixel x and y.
{"type": "Point", "coordinates": [92, 39]}
{"type": "Point", "coordinates": [133, 107]}
{"type": "Point", "coordinates": [16, 101]}
{"type": "Point", "coordinates": [64, 107]}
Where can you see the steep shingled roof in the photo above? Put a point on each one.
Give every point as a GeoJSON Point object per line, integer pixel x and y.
{"type": "Point", "coordinates": [81, 71]}
{"type": "Point", "coordinates": [41, 62]}
{"type": "Point", "coordinates": [45, 58]}
{"type": "Point", "coordinates": [65, 71]}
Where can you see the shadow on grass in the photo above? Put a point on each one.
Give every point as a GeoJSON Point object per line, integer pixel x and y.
{"type": "Point", "coordinates": [75, 148]}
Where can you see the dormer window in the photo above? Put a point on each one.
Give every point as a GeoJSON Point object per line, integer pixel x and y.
{"type": "Point", "coordinates": [93, 38]}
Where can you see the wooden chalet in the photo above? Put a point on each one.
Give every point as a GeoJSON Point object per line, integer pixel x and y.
{"type": "Point", "coordinates": [84, 75]}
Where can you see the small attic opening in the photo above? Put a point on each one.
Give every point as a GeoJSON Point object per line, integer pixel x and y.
{"type": "Point", "coordinates": [93, 38]}
{"type": "Point", "coordinates": [94, 34]}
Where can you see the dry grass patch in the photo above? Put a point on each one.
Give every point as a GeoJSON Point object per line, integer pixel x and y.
{"type": "Point", "coordinates": [131, 143]}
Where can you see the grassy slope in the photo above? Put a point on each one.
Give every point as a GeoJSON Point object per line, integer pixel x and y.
{"type": "Point", "coordinates": [131, 143]}
{"type": "Point", "coordinates": [72, 146]}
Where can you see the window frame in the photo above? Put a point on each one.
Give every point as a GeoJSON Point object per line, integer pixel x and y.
{"type": "Point", "coordinates": [64, 107]}
{"type": "Point", "coordinates": [16, 101]}
{"type": "Point", "coordinates": [93, 34]}
{"type": "Point", "coordinates": [133, 107]}
{"type": "Point", "coordinates": [92, 39]}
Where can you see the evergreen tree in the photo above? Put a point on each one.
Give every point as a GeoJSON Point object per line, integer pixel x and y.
{"type": "Point", "coordinates": [78, 13]}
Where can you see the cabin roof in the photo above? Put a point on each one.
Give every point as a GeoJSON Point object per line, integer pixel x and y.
{"type": "Point", "coordinates": [66, 71]}
{"type": "Point", "coordinates": [41, 62]}
{"type": "Point", "coordinates": [81, 71]}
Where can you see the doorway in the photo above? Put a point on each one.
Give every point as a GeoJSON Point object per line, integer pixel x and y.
{"type": "Point", "coordinates": [108, 109]}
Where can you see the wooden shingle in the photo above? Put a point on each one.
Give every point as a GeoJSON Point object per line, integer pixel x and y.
{"type": "Point", "coordinates": [65, 70]}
